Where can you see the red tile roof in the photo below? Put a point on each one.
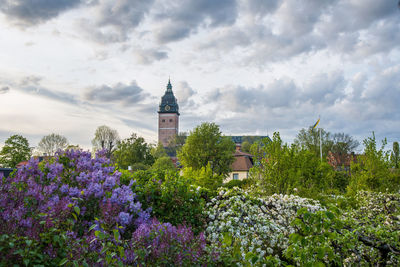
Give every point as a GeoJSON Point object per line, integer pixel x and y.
{"type": "Point", "coordinates": [243, 161]}
{"type": "Point", "coordinates": [242, 164]}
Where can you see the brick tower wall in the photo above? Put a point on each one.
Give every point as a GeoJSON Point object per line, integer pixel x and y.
{"type": "Point", "coordinates": [168, 127]}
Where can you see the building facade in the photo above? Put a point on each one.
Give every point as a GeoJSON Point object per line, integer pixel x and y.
{"type": "Point", "coordinates": [168, 117]}
{"type": "Point", "coordinates": [241, 166]}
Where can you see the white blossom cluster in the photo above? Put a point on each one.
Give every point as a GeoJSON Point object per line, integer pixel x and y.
{"type": "Point", "coordinates": [258, 225]}
{"type": "Point", "coordinates": [376, 203]}
{"type": "Point", "coordinates": [377, 215]}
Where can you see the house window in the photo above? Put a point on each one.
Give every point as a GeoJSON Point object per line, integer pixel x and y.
{"type": "Point", "coordinates": [170, 120]}
{"type": "Point", "coordinates": [236, 176]}
{"type": "Point", "coordinates": [163, 120]}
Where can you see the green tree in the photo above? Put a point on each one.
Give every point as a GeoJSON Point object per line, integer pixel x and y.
{"type": "Point", "coordinates": [134, 152]}
{"type": "Point", "coordinates": [204, 177]}
{"type": "Point", "coordinates": [49, 144]}
{"type": "Point", "coordinates": [338, 143]}
{"type": "Point", "coordinates": [205, 145]}
{"type": "Point", "coordinates": [176, 143]}
{"type": "Point", "coordinates": [105, 138]}
{"type": "Point", "coordinates": [246, 147]}
{"type": "Point", "coordinates": [15, 150]}
{"type": "Point", "coordinates": [395, 156]}
{"type": "Point", "coordinates": [309, 139]}
{"type": "Point", "coordinates": [164, 164]}
{"type": "Point", "coordinates": [284, 169]}
{"type": "Point", "coordinates": [371, 171]}
{"type": "Point", "coordinates": [158, 151]}
{"type": "Point", "coordinates": [343, 143]}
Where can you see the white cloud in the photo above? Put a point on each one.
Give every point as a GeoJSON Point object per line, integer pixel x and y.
{"type": "Point", "coordinates": [250, 66]}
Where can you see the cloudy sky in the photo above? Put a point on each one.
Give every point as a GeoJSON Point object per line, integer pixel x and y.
{"type": "Point", "coordinates": [251, 66]}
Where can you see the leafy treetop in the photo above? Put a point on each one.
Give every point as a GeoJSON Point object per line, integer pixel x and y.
{"type": "Point", "coordinates": [15, 150]}
{"type": "Point", "coordinates": [205, 145]}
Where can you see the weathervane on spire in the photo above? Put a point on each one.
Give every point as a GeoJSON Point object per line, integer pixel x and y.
{"type": "Point", "coordinates": [169, 86]}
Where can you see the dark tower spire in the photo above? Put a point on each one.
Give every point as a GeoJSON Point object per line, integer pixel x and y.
{"type": "Point", "coordinates": [169, 104]}
{"type": "Point", "coordinates": [169, 86]}
{"type": "Point", "coordinates": [168, 116]}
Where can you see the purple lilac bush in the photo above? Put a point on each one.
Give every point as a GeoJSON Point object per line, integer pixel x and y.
{"type": "Point", "coordinates": [73, 209]}
{"type": "Point", "coordinates": [162, 244]}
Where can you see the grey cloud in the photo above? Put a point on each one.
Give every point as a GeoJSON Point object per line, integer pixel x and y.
{"type": "Point", "coordinates": [280, 93]}
{"type": "Point", "coordinates": [173, 31]}
{"type": "Point", "coordinates": [50, 94]}
{"type": "Point", "coordinates": [31, 85]}
{"type": "Point", "coordinates": [226, 39]}
{"type": "Point", "coordinates": [184, 94]}
{"type": "Point", "coordinates": [380, 38]}
{"type": "Point", "coordinates": [355, 29]}
{"type": "Point", "coordinates": [325, 88]}
{"type": "Point", "coordinates": [139, 123]}
{"type": "Point", "coordinates": [184, 17]}
{"type": "Point", "coordinates": [296, 18]}
{"type": "Point", "coordinates": [35, 11]}
{"type": "Point", "coordinates": [114, 21]}
{"type": "Point", "coordinates": [148, 56]}
{"type": "Point", "coordinates": [30, 80]}
{"type": "Point", "coordinates": [364, 103]}
{"type": "Point", "coordinates": [125, 94]}
{"type": "Point", "coordinates": [4, 89]}
{"type": "Point", "coordinates": [384, 91]}
{"type": "Point", "coordinates": [261, 7]}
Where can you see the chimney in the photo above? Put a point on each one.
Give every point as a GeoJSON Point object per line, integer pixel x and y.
{"type": "Point", "coordinates": [238, 146]}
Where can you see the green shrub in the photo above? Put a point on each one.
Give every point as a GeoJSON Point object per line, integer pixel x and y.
{"type": "Point", "coordinates": [238, 183]}
{"type": "Point", "coordinates": [174, 200]}
{"type": "Point", "coordinates": [372, 170]}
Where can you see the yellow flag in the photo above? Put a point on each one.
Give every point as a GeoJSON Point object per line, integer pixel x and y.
{"type": "Point", "coordinates": [315, 125]}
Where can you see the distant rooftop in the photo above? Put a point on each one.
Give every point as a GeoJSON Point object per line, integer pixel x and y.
{"type": "Point", "coordinates": [238, 139]}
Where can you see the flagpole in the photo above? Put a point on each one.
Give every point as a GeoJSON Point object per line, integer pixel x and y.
{"type": "Point", "coordinates": [320, 143]}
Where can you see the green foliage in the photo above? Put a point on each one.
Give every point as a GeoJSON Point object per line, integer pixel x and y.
{"type": "Point", "coordinates": [308, 139]}
{"type": "Point", "coordinates": [133, 151]}
{"type": "Point", "coordinates": [174, 199]}
{"type": "Point", "coordinates": [245, 147]}
{"type": "Point", "coordinates": [238, 183]}
{"type": "Point", "coordinates": [164, 164]}
{"type": "Point", "coordinates": [158, 151]}
{"type": "Point", "coordinates": [313, 244]}
{"type": "Point", "coordinates": [15, 150]}
{"type": "Point", "coordinates": [49, 144]}
{"type": "Point", "coordinates": [338, 143]}
{"type": "Point", "coordinates": [30, 251]}
{"type": "Point", "coordinates": [287, 169]}
{"type": "Point", "coordinates": [204, 146]}
{"type": "Point", "coordinates": [371, 171]}
{"type": "Point", "coordinates": [343, 143]}
{"type": "Point", "coordinates": [395, 156]}
{"type": "Point", "coordinates": [366, 235]}
{"type": "Point", "coordinates": [203, 177]}
{"type": "Point", "coordinates": [53, 247]}
{"type": "Point", "coordinates": [176, 143]}
{"type": "Point", "coordinates": [142, 176]}
{"type": "Point", "coordinates": [105, 138]}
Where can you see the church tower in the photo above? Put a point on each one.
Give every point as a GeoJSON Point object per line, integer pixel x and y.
{"type": "Point", "coordinates": [168, 117]}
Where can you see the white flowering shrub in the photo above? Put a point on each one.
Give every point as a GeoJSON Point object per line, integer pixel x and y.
{"type": "Point", "coordinates": [376, 224]}
{"type": "Point", "coordinates": [368, 235]}
{"type": "Point", "coordinates": [246, 230]}
{"type": "Point", "coordinates": [253, 230]}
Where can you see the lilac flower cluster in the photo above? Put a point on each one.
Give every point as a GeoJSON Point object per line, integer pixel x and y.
{"type": "Point", "coordinates": [73, 192]}
{"type": "Point", "coordinates": [71, 179]}
{"type": "Point", "coordinates": [164, 241]}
